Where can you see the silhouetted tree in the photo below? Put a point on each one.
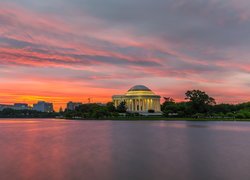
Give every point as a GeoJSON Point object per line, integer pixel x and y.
{"type": "Point", "coordinates": [121, 108]}
{"type": "Point", "coordinates": [168, 102]}
{"type": "Point", "coordinates": [199, 101]}
{"type": "Point", "coordinates": [111, 107]}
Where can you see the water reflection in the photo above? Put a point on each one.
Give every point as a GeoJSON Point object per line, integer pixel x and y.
{"type": "Point", "coordinates": [59, 149]}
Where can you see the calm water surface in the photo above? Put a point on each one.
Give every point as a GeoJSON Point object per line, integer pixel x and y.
{"type": "Point", "coordinates": [93, 150]}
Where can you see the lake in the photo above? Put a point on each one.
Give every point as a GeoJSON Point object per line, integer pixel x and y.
{"type": "Point", "coordinates": [113, 150]}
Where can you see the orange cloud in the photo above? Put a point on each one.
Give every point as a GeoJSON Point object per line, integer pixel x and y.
{"type": "Point", "coordinates": [47, 57]}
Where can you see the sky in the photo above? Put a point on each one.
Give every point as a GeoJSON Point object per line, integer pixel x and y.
{"type": "Point", "coordinates": [61, 50]}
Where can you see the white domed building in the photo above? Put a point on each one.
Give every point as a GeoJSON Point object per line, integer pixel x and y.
{"type": "Point", "coordinates": [139, 99]}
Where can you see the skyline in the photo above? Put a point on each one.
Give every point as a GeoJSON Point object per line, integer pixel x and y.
{"type": "Point", "coordinates": [61, 51]}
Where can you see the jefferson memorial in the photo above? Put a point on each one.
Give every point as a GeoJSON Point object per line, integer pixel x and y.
{"type": "Point", "coordinates": [139, 99]}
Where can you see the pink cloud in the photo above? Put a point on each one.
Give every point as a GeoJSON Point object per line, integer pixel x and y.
{"type": "Point", "coordinates": [98, 60]}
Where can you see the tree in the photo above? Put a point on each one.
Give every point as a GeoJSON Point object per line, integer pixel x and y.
{"type": "Point", "coordinates": [122, 107]}
{"type": "Point", "coordinates": [110, 107]}
{"type": "Point", "coordinates": [225, 108]}
{"type": "Point", "coordinates": [169, 99]}
{"type": "Point", "coordinates": [171, 108]}
{"type": "Point", "coordinates": [199, 101]}
{"type": "Point", "coordinates": [168, 102]}
{"type": "Point", "coordinates": [61, 111]}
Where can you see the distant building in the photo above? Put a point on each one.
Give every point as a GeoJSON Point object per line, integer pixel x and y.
{"type": "Point", "coordinates": [16, 106]}
{"type": "Point", "coordinates": [73, 105]}
{"type": "Point", "coordinates": [5, 106]}
{"type": "Point", "coordinates": [20, 106]}
{"type": "Point", "coordinates": [43, 106]}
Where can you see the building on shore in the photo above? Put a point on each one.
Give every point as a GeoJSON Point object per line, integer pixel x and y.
{"type": "Point", "coordinates": [16, 106]}
{"type": "Point", "coordinates": [5, 106]}
{"type": "Point", "coordinates": [43, 106]}
{"type": "Point", "coordinates": [73, 105]}
{"type": "Point", "coordinates": [139, 99]}
{"type": "Point", "coordinates": [21, 106]}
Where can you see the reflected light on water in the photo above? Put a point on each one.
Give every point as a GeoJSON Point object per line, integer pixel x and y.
{"type": "Point", "coordinates": [60, 149]}
{"type": "Point", "coordinates": [222, 126]}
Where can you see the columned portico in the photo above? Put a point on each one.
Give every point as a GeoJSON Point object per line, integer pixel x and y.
{"type": "Point", "coordinates": [139, 99]}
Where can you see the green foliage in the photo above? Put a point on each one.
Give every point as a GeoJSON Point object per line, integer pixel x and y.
{"type": "Point", "coordinates": [230, 115]}
{"type": "Point", "coordinates": [199, 101]}
{"type": "Point", "coordinates": [225, 108]}
{"type": "Point", "coordinates": [221, 115]}
{"type": "Point", "coordinates": [198, 115]}
{"type": "Point", "coordinates": [199, 97]}
{"type": "Point", "coordinates": [167, 103]}
{"type": "Point", "coordinates": [92, 111]}
{"type": "Point", "coordinates": [11, 113]}
{"type": "Point", "coordinates": [121, 108]}
{"type": "Point", "coordinates": [111, 107]}
{"type": "Point", "coordinates": [244, 112]}
{"type": "Point", "coordinates": [240, 115]}
{"type": "Point", "coordinates": [173, 109]}
{"type": "Point", "coordinates": [201, 105]}
{"type": "Point", "coordinates": [132, 114]}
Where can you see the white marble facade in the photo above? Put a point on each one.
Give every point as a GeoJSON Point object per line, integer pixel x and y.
{"type": "Point", "coordinates": [139, 99]}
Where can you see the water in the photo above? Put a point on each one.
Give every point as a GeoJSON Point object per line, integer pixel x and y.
{"type": "Point", "coordinates": [114, 150]}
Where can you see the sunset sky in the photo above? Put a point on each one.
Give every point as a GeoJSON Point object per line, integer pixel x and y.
{"type": "Point", "coordinates": [61, 50]}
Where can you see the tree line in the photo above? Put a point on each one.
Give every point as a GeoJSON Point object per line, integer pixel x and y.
{"type": "Point", "coordinates": [26, 113]}
{"type": "Point", "coordinates": [199, 104]}
{"type": "Point", "coordinates": [95, 111]}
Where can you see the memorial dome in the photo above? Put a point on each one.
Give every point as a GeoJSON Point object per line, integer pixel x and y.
{"type": "Point", "coordinates": [139, 90]}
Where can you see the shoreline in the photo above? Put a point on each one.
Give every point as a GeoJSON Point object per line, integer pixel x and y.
{"type": "Point", "coordinates": [137, 119]}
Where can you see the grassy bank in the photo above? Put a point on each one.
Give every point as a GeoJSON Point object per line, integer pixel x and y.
{"type": "Point", "coordinates": [151, 118]}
